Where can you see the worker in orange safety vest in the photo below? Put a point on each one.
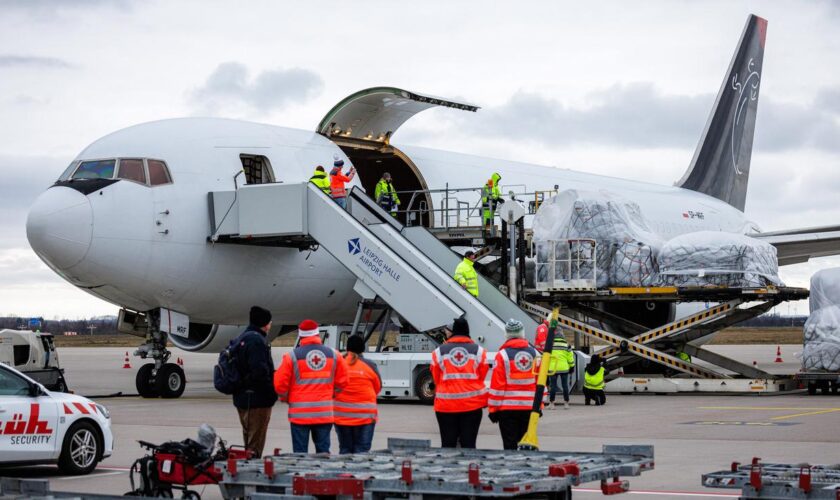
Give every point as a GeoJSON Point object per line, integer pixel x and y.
{"type": "Point", "coordinates": [308, 378]}
{"type": "Point", "coordinates": [355, 406]}
{"type": "Point", "coordinates": [337, 180]}
{"type": "Point", "coordinates": [512, 385]}
{"type": "Point", "coordinates": [459, 368]}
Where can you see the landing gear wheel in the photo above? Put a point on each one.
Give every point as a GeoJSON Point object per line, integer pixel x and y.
{"type": "Point", "coordinates": [170, 381]}
{"type": "Point", "coordinates": [80, 451]}
{"type": "Point", "coordinates": [424, 386]}
{"type": "Point", "coordinates": [61, 386]}
{"type": "Point", "coordinates": [144, 383]}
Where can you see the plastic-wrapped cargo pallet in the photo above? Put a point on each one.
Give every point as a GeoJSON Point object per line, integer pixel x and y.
{"type": "Point", "coordinates": [716, 258]}
{"type": "Point", "coordinates": [626, 246]}
{"type": "Point", "coordinates": [822, 330]}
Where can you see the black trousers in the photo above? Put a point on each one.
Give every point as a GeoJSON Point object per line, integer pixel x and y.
{"type": "Point", "coordinates": [459, 428]}
{"type": "Point", "coordinates": [513, 424]}
{"type": "Point", "coordinates": [596, 395]}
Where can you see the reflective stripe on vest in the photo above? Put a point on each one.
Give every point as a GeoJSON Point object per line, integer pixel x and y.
{"type": "Point", "coordinates": [459, 387]}
{"type": "Point", "coordinates": [520, 383]}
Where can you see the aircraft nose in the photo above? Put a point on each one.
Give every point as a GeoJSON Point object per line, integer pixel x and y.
{"type": "Point", "coordinates": [60, 226]}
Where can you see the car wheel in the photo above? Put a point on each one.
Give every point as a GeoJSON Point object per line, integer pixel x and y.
{"type": "Point", "coordinates": [81, 450]}
{"type": "Point", "coordinates": [424, 386]}
{"type": "Point", "coordinates": [170, 381]}
{"type": "Point", "coordinates": [144, 383]}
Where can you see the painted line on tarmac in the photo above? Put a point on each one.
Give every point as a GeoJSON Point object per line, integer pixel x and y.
{"type": "Point", "coordinates": [90, 476]}
{"type": "Point", "coordinates": [663, 493]}
{"type": "Point", "coordinates": [806, 414]}
{"type": "Point", "coordinates": [780, 408]}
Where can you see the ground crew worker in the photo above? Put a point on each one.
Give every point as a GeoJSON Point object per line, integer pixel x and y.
{"type": "Point", "coordinates": [562, 362]}
{"type": "Point", "coordinates": [512, 385]}
{"type": "Point", "coordinates": [319, 178]}
{"type": "Point", "coordinates": [465, 273]}
{"type": "Point", "coordinates": [593, 384]}
{"type": "Point", "coordinates": [355, 406]}
{"type": "Point", "coordinates": [680, 353]}
{"type": "Point", "coordinates": [385, 194]}
{"type": "Point", "coordinates": [541, 335]}
{"type": "Point", "coordinates": [337, 180]}
{"type": "Point", "coordinates": [490, 196]}
{"type": "Point", "coordinates": [307, 379]}
{"type": "Point", "coordinates": [459, 368]}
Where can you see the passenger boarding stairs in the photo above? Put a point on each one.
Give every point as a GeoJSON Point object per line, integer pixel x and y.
{"type": "Point", "coordinates": [408, 268]}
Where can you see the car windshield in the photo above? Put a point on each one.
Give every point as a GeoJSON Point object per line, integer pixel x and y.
{"type": "Point", "coordinates": [95, 169]}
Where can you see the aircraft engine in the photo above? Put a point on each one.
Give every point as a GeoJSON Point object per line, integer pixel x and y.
{"type": "Point", "coordinates": [205, 337]}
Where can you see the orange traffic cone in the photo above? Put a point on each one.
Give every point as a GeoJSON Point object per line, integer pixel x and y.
{"type": "Point", "coordinates": [778, 354]}
{"type": "Point", "coordinates": [126, 364]}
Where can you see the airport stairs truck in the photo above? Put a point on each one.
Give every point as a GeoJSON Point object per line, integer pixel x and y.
{"type": "Point", "coordinates": [406, 268]}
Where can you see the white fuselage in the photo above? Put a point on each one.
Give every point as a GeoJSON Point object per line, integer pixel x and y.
{"type": "Point", "coordinates": [145, 247]}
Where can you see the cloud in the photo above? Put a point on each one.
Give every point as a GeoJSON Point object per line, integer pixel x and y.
{"type": "Point", "coordinates": [229, 85]}
{"type": "Point", "coordinates": [639, 115]}
{"type": "Point", "coordinates": [18, 61]}
{"type": "Point", "coordinates": [51, 8]}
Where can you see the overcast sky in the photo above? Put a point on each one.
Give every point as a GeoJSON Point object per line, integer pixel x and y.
{"type": "Point", "coordinates": [620, 88]}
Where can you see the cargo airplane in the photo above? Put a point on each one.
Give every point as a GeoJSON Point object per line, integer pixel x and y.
{"type": "Point", "coordinates": [128, 222]}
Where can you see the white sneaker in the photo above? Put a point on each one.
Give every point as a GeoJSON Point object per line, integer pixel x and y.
{"type": "Point", "coordinates": [553, 406]}
{"type": "Point", "coordinates": [566, 405]}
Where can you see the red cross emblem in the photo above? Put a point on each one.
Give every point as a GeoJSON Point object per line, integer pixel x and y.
{"type": "Point", "coordinates": [315, 360]}
{"type": "Point", "coordinates": [459, 356]}
{"type": "Point", "coordinates": [523, 361]}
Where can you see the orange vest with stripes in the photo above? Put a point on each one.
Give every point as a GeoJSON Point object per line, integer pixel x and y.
{"type": "Point", "coordinates": [459, 368]}
{"type": "Point", "coordinates": [308, 378]}
{"type": "Point", "coordinates": [514, 381]}
{"type": "Point", "coordinates": [356, 404]}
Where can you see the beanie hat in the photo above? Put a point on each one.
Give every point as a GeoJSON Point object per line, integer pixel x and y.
{"type": "Point", "coordinates": [460, 327]}
{"type": "Point", "coordinates": [307, 328]}
{"type": "Point", "coordinates": [338, 163]}
{"type": "Point", "coordinates": [259, 317]}
{"type": "Point", "coordinates": [356, 343]}
{"type": "Point", "coordinates": [514, 329]}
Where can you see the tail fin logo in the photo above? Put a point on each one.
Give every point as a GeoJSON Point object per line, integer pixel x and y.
{"type": "Point", "coordinates": [747, 91]}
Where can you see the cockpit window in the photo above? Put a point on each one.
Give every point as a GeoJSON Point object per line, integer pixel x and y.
{"type": "Point", "coordinates": [158, 173]}
{"type": "Point", "coordinates": [132, 170]}
{"type": "Point", "coordinates": [96, 169]}
{"type": "Point", "coordinates": [67, 171]}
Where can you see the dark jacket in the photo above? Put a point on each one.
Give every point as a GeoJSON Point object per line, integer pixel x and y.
{"type": "Point", "coordinates": [257, 370]}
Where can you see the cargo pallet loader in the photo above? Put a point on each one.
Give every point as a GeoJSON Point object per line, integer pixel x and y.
{"type": "Point", "coordinates": [407, 270]}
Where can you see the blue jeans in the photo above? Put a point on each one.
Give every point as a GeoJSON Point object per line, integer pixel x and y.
{"type": "Point", "coordinates": [564, 382]}
{"type": "Point", "coordinates": [342, 202]}
{"type": "Point", "coordinates": [320, 436]}
{"type": "Point", "coordinates": [354, 438]}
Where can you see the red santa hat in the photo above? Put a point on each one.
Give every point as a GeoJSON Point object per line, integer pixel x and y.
{"type": "Point", "coordinates": [307, 328]}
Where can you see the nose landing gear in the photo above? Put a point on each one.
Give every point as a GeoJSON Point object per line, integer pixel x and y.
{"type": "Point", "coordinates": [158, 379]}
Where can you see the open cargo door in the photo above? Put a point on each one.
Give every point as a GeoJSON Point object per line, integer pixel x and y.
{"type": "Point", "coordinates": [374, 114]}
{"type": "Point", "coordinates": [362, 125]}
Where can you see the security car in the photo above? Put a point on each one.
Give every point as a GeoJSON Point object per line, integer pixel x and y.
{"type": "Point", "coordinates": [38, 426]}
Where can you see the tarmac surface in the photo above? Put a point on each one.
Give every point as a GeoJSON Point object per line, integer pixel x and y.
{"type": "Point", "coordinates": [691, 434]}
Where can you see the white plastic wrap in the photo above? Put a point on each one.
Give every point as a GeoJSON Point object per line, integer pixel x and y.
{"type": "Point", "coordinates": [626, 245]}
{"type": "Point", "coordinates": [717, 258]}
{"type": "Point", "coordinates": [822, 330]}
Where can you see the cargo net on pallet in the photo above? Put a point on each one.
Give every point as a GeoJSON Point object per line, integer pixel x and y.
{"type": "Point", "coordinates": [714, 258]}
{"type": "Point", "coordinates": [630, 254]}
{"type": "Point", "coordinates": [420, 470]}
{"type": "Point", "coordinates": [822, 330]}
{"type": "Point", "coordinates": [626, 245]}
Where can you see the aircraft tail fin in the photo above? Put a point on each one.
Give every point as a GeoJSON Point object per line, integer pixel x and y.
{"type": "Point", "coordinates": [721, 163]}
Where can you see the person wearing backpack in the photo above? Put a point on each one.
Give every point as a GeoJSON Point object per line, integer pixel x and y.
{"type": "Point", "coordinates": [254, 395]}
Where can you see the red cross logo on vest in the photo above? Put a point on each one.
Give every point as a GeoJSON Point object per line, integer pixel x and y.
{"type": "Point", "coordinates": [459, 356]}
{"type": "Point", "coordinates": [316, 360]}
{"type": "Point", "coordinates": [523, 361]}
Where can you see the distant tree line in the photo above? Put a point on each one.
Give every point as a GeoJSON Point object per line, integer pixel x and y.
{"type": "Point", "coordinates": [106, 325]}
